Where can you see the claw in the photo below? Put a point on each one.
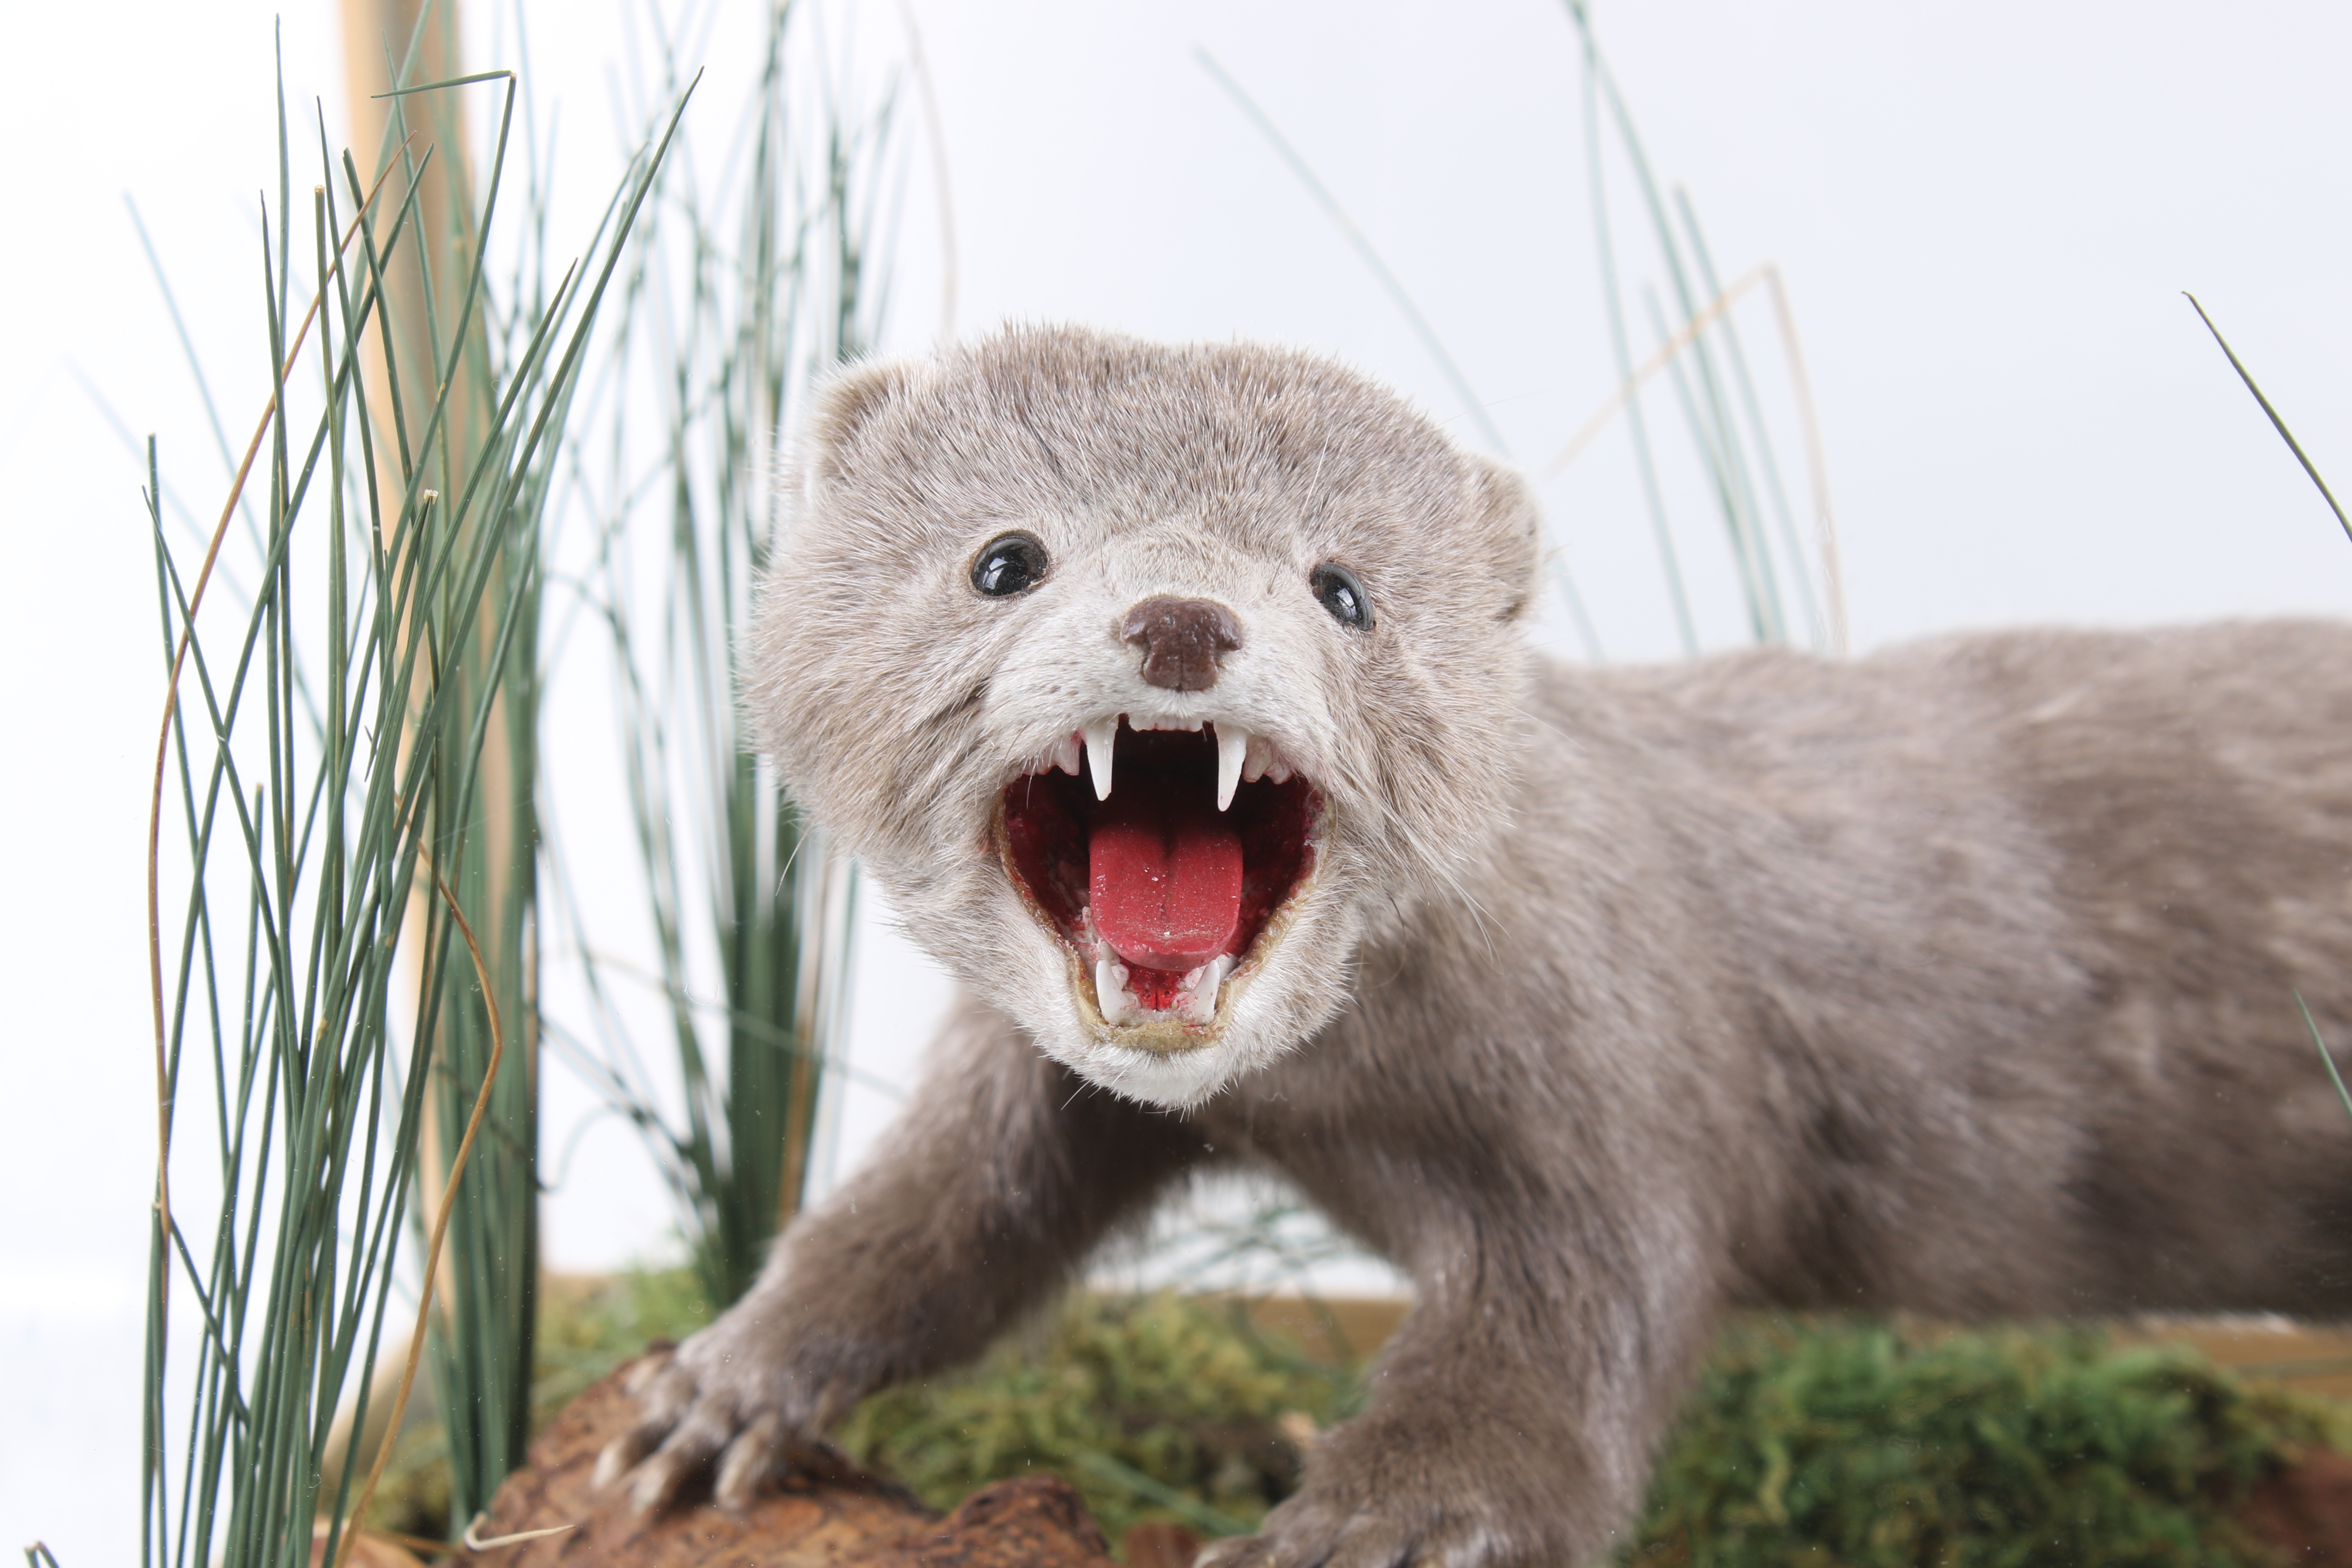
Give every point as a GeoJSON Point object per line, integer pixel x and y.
{"type": "Point", "coordinates": [663, 1392]}
{"type": "Point", "coordinates": [749, 1462]}
{"type": "Point", "coordinates": [642, 1372]}
{"type": "Point", "coordinates": [618, 1458]}
{"type": "Point", "coordinates": [657, 1481]}
{"type": "Point", "coordinates": [1233, 1552]}
{"type": "Point", "coordinates": [661, 1479]}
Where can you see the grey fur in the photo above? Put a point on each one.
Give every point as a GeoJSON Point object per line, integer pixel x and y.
{"type": "Point", "coordinates": [1960, 978]}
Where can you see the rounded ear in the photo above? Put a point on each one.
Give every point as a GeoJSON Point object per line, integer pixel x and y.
{"type": "Point", "coordinates": [1508, 532]}
{"type": "Point", "coordinates": [844, 405]}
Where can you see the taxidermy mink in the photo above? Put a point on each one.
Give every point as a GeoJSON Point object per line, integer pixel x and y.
{"type": "Point", "coordinates": [1179, 698]}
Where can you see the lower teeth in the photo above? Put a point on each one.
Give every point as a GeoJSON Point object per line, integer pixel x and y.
{"type": "Point", "coordinates": [1196, 1002]}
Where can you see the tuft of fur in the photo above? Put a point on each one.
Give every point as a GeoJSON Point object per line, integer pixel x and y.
{"type": "Point", "coordinates": [1961, 978]}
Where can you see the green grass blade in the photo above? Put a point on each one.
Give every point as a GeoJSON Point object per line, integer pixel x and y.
{"type": "Point", "coordinates": [2276, 423]}
{"type": "Point", "coordinates": [2327, 1057]}
{"type": "Point", "coordinates": [1645, 465]}
{"type": "Point", "coordinates": [1473, 405]}
{"type": "Point", "coordinates": [1761, 437]}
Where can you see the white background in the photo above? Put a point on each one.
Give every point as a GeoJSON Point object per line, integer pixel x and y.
{"type": "Point", "coordinates": [1985, 213]}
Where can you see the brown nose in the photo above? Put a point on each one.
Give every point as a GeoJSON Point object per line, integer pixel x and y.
{"type": "Point", "coordinates": [1180, 639]}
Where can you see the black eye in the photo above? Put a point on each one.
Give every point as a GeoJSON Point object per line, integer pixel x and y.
{"type": "Point", "coordinates": [1014, 563]}
{"type": "Point", "coordinates": [1342, 595]}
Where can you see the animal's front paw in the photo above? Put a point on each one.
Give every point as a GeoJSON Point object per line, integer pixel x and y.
{"type": "Point", "coordinates": [1422, 1495]}
{"type": "Point", "coordinates": [716, 1408]}
{"type": "Point", "coordinates": [1306, 1532]}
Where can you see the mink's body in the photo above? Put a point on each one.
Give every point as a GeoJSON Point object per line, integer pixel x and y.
{"type": "Point", "coordinates": [1960, 978]}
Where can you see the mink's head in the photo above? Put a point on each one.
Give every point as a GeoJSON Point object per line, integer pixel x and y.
{"type": "Point", "coordinates": [1147, 680]}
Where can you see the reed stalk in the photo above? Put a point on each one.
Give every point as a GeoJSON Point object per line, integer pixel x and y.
{"type": "Point", "coordinates": [1699, 349]}
{"type": "Point", "coordinates": [335, 679]}
{"type": "Point", "coordinates": [748, 286]}
{"type": "Point", "coordinates": [437, 347]}
{"type": "Point", "coordinates": [1700, 352]}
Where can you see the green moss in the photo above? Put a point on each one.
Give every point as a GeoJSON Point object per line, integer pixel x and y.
{"type": "Point", "coordinates": [1158, 1407]}
{"type": "Point", "coordinates": [1831, 1444]}
{"type": "Point", "coordinates": [587, 1327]}
{"type": "Point", "coordinates": [1855, 1446]}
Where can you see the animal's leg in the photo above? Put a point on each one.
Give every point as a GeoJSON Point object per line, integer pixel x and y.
{"type": "Point", "coordinates": [1004, 1171]}
{"type": "Point", "coordinates": [1509, 1428]}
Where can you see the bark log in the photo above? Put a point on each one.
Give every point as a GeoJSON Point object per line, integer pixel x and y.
{"type": "Point", "coordinates": [1032, 1523]}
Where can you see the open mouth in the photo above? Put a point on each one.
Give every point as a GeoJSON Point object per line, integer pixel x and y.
{"type": "Point", "coordinates": [1163, 886]}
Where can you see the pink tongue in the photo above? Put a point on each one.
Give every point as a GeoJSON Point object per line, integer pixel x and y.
{"type": "Point", "coordinates": [1167, 872]}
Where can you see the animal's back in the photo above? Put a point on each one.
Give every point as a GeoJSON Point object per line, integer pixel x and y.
{"type": "Point", "coordinates": [2015, 925]}
{"type": "Point", "coordinates": [2195, 787]}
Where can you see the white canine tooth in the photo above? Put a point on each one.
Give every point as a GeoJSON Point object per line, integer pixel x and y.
{"type": "Point", "coordinates": [1068, 754]}
{"type": "Point", "coordinates": [1099, 736]}
{"type": "Point", "coordinates": [1198, 999]}
{"type": "Point", "coordinates": [1232, 745]}
{"type": "Point", "coordinates": [1118, 1003]}
{"type": "Point", "coordinates": [1260, 757]}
